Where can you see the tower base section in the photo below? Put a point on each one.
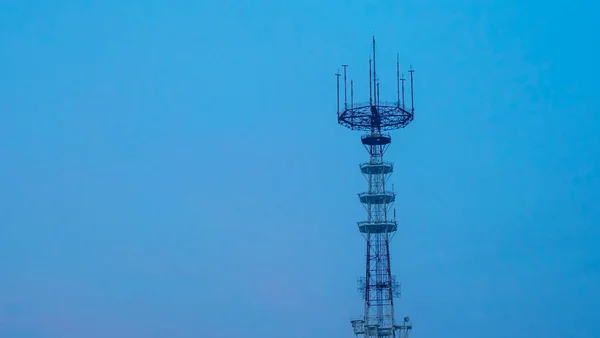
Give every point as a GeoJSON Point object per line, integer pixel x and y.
{"type": "Point", "coordinates": [374, 330]}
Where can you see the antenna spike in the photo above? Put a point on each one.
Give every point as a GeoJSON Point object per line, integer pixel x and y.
{"type": "Point", "coordinates": [402, 79]}
{"type": "Point", "coordinates": [351, 94]}
{"type": "Point", "coordinates": [337, 75]}
{"type": "Point", "coordinates": [412, 95]}
{"type": "Point", "coordinates": [374, 70]}
{"type": "Point", "coordinates": [370, 84]}
{"type": "Point", "coordinates": [398, 77]}
{"type": "Point", "coordinates": [345, 96]}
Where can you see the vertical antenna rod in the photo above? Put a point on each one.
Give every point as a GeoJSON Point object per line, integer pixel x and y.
{"type": "Point", "coordinates": [337, 75]}
{"type": "Point", "coordinates": [374, 70]}
{"type": "Point", "coordinates": [412, 96]}
{"type": "Point", "coordinates": [351, 94]}
{"type": "Point", "coordinates": [345, 96]}
{"type": "Point", "coordinates": [370, 84]}
{"type": "Point", "coordinates": [402, 79]}
{"type": "Point", "coordinates": [398, 77]}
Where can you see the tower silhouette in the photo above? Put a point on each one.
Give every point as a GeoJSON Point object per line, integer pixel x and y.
{"type": "Point", "coordinates": [379, 287]}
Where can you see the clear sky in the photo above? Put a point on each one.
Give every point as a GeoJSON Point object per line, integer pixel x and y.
{"type": "Point", "coordinates": [175, 169]}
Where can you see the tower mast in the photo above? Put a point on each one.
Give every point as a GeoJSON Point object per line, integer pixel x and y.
{"type": "Point", "coordinates": [378, 286]}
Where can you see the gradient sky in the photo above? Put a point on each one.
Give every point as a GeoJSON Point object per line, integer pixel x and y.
{"type": "Point", "coordinates": [175, 169]}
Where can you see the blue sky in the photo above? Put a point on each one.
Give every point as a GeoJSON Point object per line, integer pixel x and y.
{"type": "Point", "coordinates": [174, 169]}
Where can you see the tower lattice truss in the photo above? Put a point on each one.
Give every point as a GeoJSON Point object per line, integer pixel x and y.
{"type": "Point", "coordinates": [378, 286]}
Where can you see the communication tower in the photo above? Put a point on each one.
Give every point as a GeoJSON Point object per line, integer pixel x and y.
{"type": "Point", "coordinates": [379, 287]}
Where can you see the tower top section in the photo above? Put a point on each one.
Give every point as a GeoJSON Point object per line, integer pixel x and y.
{"type": "Point", "coordinates": [376, 115]}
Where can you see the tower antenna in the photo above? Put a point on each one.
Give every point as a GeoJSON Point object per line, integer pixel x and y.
{"type": "Point", "coordinates": [412, 94]}
{"type": "Point", "coordinates": [374, 70]}
{"type": "Point", "coordinates": [402, 79]}
{"type": "Point", "coordinates": [345, 97]}
{"type": "Point", "coordinates": [398, 77]}
{"type": "Point", "coordinates": [351, 94]}
{"type": "Point", "coordinates": [337, 75]}
{"type": "Point", "coordinates": [370, 84]}
{"type": "Point", "coordinates": [378, 286]}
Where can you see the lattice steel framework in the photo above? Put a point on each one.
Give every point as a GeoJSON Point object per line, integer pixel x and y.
{"type": "Point", "coordinates": [378, 286]}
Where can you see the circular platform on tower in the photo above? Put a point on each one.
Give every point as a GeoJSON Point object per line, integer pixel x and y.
{"type": "Point", "coordinates": [377, 169]}
{"type": "Point", "coordinates": [383, 116]}
{"type": "Point", "coordinates": [377, 198]}
{"type": "Point", "coordinates": [377, 227]}
{"type": "Point", "coordinates": [376, 140]}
